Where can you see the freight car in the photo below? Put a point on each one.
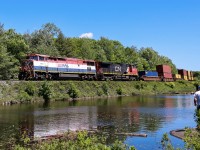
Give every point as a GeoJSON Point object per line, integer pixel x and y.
{"type": "Point", "coordinates": [148, 76]}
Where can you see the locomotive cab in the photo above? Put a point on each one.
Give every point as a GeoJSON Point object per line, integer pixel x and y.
{"type": "Point", "coordinates": [27, 69]}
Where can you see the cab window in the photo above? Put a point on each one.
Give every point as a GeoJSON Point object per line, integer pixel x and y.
{"type": "Point", "coordinates": [41, 58]}
{"type": "Point", "coordinates": [33, 57]}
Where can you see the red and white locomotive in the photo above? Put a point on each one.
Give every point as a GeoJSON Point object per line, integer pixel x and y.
{"type": "Point", "coordinates": [37, 66]}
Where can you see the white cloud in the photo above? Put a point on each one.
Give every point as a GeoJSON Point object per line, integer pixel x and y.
{"type": "Point", "coordinates": [86, 35]}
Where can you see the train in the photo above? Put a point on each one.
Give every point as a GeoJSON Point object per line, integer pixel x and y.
{"type": "Point", "coordinates": [39, 67]}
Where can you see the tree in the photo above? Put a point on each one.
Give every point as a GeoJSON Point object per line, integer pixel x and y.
{"type": "Point", "coordinates": [43, 40]}
{"type": "Point", "coordinates": [131, 55]}
{"type": "Point", "coordinates": [108, 48]}
{"type": "Point", "coordinates": [15, 44]}
{"type": "Point", "coordinates": [7, 64]}
{"type": "Point", "coordinates": [151, 56]}
{"type": "Point", "coordinates": [1, 29]}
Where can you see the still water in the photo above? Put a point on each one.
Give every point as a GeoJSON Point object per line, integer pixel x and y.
{"type": "Point", "coordinates": [152, 115]}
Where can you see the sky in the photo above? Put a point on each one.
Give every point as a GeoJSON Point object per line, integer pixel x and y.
{"type": "Point", "coordinates": [170, 27]}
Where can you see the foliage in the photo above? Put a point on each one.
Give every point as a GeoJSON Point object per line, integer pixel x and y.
{"type": "Point", "coordinates": [73, 91]}
{"type": "Point", "coordinates": [63, 90]}
{"type": "Point", "coordinates": [151, 58]}
{"type": "Point", "coordinates": [23, 96]}
{"type": "Point", "coordinates": [191, 139]}
{"type": "Point", "coordinates": [119, 91]}
{"type": "Point", "coordinates": [166, 143]}
{"type": "Point", "coordinates": [182, 82]}
{"type": "Point", "coordinates": [74, 141]}
{"type": "Point", "coordinates": [30, 89]}
{"type": "Point", "coordinates": [155, 88]}
{"type": "Point", "coordinates": [7, 64]}
{"type": "Point", "coordinates": [197, 118]}
{"type": "Point", "coordinates": [196, 75]}
{"type": "Point", "coordinates": [105, 88]}
{"type": "Point", "coordinates": [170, 84]}
{"type": "Point", "coordinates": [45, 91]}
{"type": "Point", "coordinates": [140, 85]}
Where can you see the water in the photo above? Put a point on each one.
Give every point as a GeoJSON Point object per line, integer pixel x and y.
{"type": "Point", "coordinates": [151, 115]}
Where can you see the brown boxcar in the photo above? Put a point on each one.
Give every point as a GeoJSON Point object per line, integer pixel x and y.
{"type": "Point", "coordinates": [182, 72]}
{"type": "Point", "coordinates": [166, 76]}
{"type": "Point", "coordinates": [163, 69]}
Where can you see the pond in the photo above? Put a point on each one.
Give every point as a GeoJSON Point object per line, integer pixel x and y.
{"type": "Point", "coordinates": [151, 115]}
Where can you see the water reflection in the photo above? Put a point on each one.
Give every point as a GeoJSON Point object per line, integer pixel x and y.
{"type": "Point", "coordinates": [151, 115]}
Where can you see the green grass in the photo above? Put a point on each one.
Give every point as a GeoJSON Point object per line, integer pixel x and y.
{"type": "Point", "coordinates": [28, 91]}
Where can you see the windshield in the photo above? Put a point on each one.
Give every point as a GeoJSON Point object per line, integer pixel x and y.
{"type": "Point", "coordinates": [33, 57]}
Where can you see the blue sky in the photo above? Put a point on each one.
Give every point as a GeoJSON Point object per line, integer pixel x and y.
{"type": "Point", "coordinates": [170, 27]}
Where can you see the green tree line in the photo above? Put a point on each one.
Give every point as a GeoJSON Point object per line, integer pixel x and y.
{"type": "Point", "coordinates": [50, 40]}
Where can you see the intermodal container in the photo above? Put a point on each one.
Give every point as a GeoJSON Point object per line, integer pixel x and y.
{"type": "Point", "coordinates": [163, 69]}
{"type": "Point", "coordinates": [190, 75]}
{"type": "Point", "coordinates": [192, 78]}
{"type": "Point", "coordinates": [148, 73]}
{"type": "Point", "coordinates": [185, 77]}
{"type": "Point", "coordinates": [165, 75]}
{"type": "Point", "coordinates": [182, 72]}
{"type": "Point", "coordinates": [177, 76]}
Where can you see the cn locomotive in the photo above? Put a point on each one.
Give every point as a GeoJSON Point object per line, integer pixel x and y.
{"type": "Point", "coordinates": [38, 67]}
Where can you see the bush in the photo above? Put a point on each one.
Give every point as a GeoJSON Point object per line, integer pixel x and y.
{"type": "Point", "coordinates": [24, 96]}
{"type": "Point", "coordinates": [105, 88]}
{"type": "Point", "coordinates": [75, 141]}
{"type": "Point", "coordinates": [119, 91]}
{"type": "Point", "coordinates": [30, 89]}
{"type": "Point", "coordinates": [73, 92]}
{"type": "Point", "coordinates": [140, 85]}
{"type": "Point", "coordinates": [170, 84]}
{"type": "Point", "coordinates": [192, 139]}
{"type": "Point", "coordinates": [45, 91]}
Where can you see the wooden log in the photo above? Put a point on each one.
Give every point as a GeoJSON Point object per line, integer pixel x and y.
{"type": "Point", "coordinates": [132, 134]}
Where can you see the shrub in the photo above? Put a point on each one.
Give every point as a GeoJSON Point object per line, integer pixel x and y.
{"type": "Point", "coordinates": [170, 84]}
{"type": "Point", "coordinates": [24, 96]}
{"type": "Point", "coordinates": [45, 91]}
{"type": "Point", "coordinates": [155, 88]}
{"type": "Point", "coordinates": [140, 85]}
{"type": "Point", "coordinates": [75, 141]}
{"type": "Point", "coordinates": [73, 92]}
{"type": "Point", "coordinates": [99, 92]}
{"type": "Point", "coordinates": [30, 89]}
{"type": "Point", "coordinates": [182, 81]}
{"type": "Point", "coordinates": [191, 139]}
{"type": "Point", "coordinates": [119, 91]}
{"type": "Point", "coordinates": [166, 143]}
{"type": "Point", "coordinates": [105, 88]}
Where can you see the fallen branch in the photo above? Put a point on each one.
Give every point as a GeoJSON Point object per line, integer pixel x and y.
{"type": "Point", "coordinates": [132, 134]}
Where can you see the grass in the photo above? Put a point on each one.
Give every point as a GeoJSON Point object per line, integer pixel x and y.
{"type": "Point", "coordinates": [29, 91]}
